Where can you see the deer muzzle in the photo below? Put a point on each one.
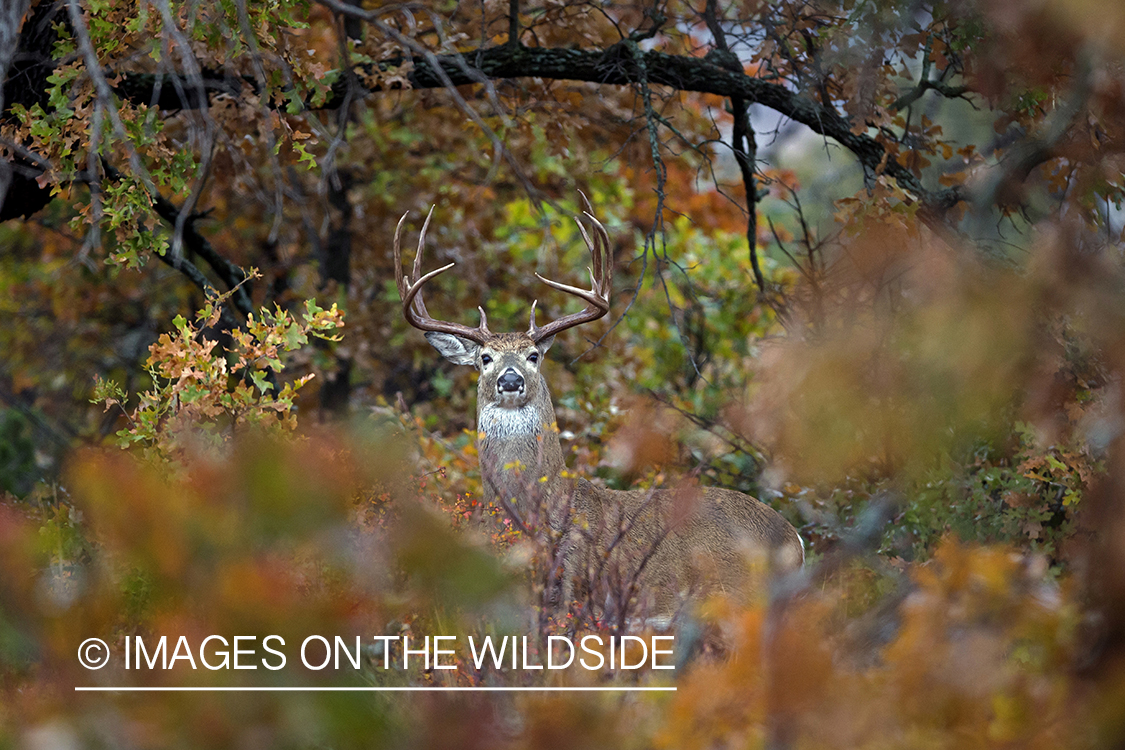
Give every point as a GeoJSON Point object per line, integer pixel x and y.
{"type": "Point", "coordinates": [510, 381]}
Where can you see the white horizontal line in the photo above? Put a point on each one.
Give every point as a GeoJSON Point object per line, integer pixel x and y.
{"type": "Point", "coordinates": [399, 689]}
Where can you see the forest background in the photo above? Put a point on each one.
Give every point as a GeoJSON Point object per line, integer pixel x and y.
{"type": "Point", "coordinates": [868, 268]}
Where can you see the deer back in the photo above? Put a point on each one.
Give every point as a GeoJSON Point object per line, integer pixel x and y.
{"type": "Point", "coordinates": [676, 544]}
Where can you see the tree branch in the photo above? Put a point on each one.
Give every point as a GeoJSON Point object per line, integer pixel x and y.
{"type": "Point", "coordinates": [926, 84]}
{"type": "Point", "coordinates": [949, 92]}
{"type": "Point", "coordinates": [743, 142]}
{"type": "Point", "coordinates": [10, 18]}
{"type": "Point", "coordinates": [26, 84]}
{"type": "Point", "coordinates": [231, 274]}
{"type": "Point", "coordinates": [616, 66]}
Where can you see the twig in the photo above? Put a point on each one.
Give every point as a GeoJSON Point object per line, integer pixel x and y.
{"type": "Point", "coordinates": [743, 143]}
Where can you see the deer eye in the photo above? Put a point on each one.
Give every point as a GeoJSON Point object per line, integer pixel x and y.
{"type": "Point", "coordinates": [533, 357]}
{"type": "Point", "coordinates": [485, 359]}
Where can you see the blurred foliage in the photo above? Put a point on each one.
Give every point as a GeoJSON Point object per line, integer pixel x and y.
{"type": "Point", "coordinates": [931, 393]}
{"type": "Point", "coordinates": [17, 453]}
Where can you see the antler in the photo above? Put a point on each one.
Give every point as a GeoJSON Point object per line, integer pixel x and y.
{"type": "Point", "coordinates": [414, 308]}
{"type": "Point", "coordinates": [601, 281]}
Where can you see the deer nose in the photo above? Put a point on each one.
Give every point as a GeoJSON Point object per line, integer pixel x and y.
{"type": "Point", "coordinates": [510, 381]}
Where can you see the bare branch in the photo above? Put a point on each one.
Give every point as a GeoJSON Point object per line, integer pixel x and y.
{"type": "Point", "coordinates": [743, 143]}
{"type": "Point", "coordinates": [10, 18]}
{"type": "Point", "coordinates": [271, 140]}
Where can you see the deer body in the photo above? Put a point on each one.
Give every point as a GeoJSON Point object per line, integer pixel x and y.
{"type": "Point", "coordinates": [671, 544]}
{"type": "Point", "coordinates": [706, 540]}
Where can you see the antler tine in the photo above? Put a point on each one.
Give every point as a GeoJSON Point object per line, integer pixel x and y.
{"type": "Point", "coordinates": [410, 290]}
{"type": "Point", "coordinates": [600, 251]}
{"type": "Point", "coordinates": [601, 283]}
{"type": "Point", "coordinates": [399, 280]}
{"type": "Point", "coordinates": [586, 201]}
{"type": "Point", "coordinates": [417, 270]}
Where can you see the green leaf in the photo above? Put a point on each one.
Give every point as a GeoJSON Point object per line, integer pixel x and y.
{"type": "Point", "coordinates": [259, 379]}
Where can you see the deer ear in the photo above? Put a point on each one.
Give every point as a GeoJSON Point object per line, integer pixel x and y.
{"type": "Point", "coordinates": [457, 350]}
{"type": "Point", "coordinates": [545, 344]}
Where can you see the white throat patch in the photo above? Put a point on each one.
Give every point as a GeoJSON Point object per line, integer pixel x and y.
{"type": "Point", "coordinates": [498, 423]}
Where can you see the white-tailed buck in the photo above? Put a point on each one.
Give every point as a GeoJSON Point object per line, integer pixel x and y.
{"type": "Point", "coordinates": [670, 544]}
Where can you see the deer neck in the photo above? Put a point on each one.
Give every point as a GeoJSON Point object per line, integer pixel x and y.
{"type": "Point", "coordinates": [517, 449]}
